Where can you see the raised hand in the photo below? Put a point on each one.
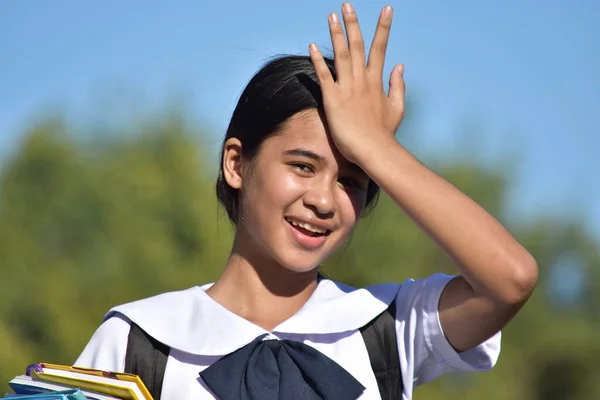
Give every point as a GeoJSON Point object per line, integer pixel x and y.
{"type": "Point", "coordinates": [359, 112]}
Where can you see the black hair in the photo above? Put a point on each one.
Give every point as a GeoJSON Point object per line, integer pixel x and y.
{"type": "Point", "coordinates": [283, 87]}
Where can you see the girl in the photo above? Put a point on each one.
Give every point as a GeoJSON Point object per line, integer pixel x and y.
{"type": "Point", "coordinates": [308, 146]}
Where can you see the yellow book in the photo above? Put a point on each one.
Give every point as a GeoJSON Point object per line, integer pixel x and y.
{"type": "Point", "coordinates": [125, 386]}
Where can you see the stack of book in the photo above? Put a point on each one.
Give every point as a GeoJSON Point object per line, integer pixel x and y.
{"type": "Point", "coordinates": [54, 382]}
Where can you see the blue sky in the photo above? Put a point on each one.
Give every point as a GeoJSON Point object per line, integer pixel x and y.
{"type": "Point", "coordinates": [489, 77]}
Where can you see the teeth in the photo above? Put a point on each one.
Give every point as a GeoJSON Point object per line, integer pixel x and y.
{"type": "Point", "coordinates": [307, 226]}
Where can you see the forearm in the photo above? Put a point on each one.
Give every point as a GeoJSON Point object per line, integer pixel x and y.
{"type": "Point", "coordinates": [488, 257]}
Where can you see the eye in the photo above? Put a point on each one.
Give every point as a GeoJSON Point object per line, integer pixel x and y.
{"type": "Point", "coordinates": [302, 168]}
{"type": "Point", "coordinates": [353, 183]}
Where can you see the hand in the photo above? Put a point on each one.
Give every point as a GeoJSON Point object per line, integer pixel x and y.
{"type": "Point", "coordinates": [358, 111]}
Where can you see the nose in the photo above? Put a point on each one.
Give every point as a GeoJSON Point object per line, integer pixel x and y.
{"type": "Point", "coordinates": [321, 199]}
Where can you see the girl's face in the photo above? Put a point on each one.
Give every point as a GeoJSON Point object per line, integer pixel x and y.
{"type": "Point", "coordinates": [301, 199]}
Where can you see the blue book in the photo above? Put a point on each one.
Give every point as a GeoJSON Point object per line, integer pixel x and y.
{"type": "Point", "coordinates": [25, 385]}
{"type": "Point", "coordinates": [73, 394]}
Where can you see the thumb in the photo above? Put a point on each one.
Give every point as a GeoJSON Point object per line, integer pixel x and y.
{"type": "Point", "coordinates": [397, 88]}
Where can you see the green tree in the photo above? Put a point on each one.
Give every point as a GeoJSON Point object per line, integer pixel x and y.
{"type": "Point", "coordinates": [86, 226]}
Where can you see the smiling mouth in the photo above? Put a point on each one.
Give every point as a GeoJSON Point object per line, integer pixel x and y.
{"type": "Point", "coordinates": [308, 229]}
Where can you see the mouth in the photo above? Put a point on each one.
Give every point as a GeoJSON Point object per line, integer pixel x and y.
{"type": "Point", "coordinates": [307, 229]}
{"type": "Point", "coordinates": [309, 236]}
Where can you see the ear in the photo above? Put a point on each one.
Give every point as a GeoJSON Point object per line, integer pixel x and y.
{"type": "Point", "coordinates": [232, 163]}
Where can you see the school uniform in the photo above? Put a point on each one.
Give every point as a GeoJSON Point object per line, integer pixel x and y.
{"type": "Point", "coordinates": [201, 333]}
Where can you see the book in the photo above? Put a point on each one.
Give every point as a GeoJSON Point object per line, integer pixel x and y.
{"type": "Point", "coordinates": [94, 384]}
{"type": "Point", "coordinates": [72, 394]}
{"type": "Point", "coordinates": [121, 385]}
{"type": "Point", "coordinates": [26, 385]}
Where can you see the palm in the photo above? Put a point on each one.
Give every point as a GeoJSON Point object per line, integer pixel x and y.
{"type": "Point", "coordinates": [356, 106]}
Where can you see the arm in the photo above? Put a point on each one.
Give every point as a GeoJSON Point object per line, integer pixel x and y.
{"type": "Point", "coordinates": [497, 274]}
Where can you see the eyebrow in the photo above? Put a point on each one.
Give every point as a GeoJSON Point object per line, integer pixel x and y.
{"type": "Point", "coordinates": [305, 153]}
{"type": "Point", "coordinates": [320, 159]}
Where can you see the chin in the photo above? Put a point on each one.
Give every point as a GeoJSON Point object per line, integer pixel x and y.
{"type": "Point", "coordinates": [295, 257]}
{"type": "Point", "coordinates": [300, 263]}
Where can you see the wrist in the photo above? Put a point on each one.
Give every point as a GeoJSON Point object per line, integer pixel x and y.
{"type": "Point", "coordinates": [376, 151]}
{"type": "Point", "coordinates": [390, 164]}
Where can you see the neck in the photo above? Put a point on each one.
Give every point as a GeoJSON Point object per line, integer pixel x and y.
{"type": "Point", "coordinates": [260, 290]}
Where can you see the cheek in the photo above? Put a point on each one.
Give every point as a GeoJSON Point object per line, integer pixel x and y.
{"type": "Point", "coordinates": [273, 189]}
{"type": "Point", "coordinates": [351, 207]}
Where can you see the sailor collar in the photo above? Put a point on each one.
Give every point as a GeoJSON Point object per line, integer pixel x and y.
{"type": "Point", "coordinates": [191, 321]}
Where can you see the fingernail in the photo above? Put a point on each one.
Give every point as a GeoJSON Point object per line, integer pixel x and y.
{"type": "Point", "coordinates": [348, 8]}
{"type": "Point", "coordinates": [387, 11]}
{"type": "Point", "coordinates": [400, 69]}
{"type": "Point", "coordinates": [313, 48]}
{"type": "Point", "coordinates": [333, 18]}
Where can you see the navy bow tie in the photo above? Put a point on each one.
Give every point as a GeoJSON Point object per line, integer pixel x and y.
{"type": "Point", "coordinates": [278, 370]}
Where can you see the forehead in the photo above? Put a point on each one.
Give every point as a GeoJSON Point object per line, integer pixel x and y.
{"type": "Point", "coordinates": [307, 130]}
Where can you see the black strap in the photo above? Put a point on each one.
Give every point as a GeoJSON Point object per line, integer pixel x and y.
{"type": "Point", "coordinates": [147, 358]}
{"type": "Point", "coordinates": [380, 338]}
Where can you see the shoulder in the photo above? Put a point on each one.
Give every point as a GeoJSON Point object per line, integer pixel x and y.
{"type": "Point", "coordinates": [336, 307]}
{"type": "Point", "coordinates": [424, 292]}
{"type": "Point", "coordinates": [108, 345]}
{"type": "Point", "coordinates": [166, 316]}
{"type": "Point", "coordinates": [409, 296]}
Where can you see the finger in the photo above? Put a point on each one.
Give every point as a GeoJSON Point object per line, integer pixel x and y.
{"type": "Point", "coordinates": [341, 53]}
{"type": "Point", "coordinates": [380, 42]}
{"type": "Point", "coordinates": [397, 87]}
{"type": "Point", "coordinates": [355, 39]}
{"type": "Point", "coordinates": [323, 72]}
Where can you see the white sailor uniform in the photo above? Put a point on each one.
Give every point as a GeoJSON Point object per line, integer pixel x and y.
{"type": "Point", "coordinates": [200, 332]}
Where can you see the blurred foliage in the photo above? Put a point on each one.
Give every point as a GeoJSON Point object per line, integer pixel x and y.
{"type": "Point", "coordinates": [84, 227]}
